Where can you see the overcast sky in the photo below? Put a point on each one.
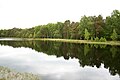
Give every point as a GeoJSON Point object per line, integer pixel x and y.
{"type": "Point", "coordinates": [29, 13]}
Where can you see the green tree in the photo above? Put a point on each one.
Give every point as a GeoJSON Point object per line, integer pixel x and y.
{"type": "Point", "coordinates": [87, 23]}
{"type": "Point", "coordinates": [74, 30]}
{"type": "Point", "coordinates": [99, 26]}
{"type": "Point", "coordinates": [113, 22]}
{"type": "Point", "coordinates": [37, 31]}
{"type": "Point", "coordinates": [87, 34]}
{"type": "Point", "coordinates": [108, 27]}
{"type": "Point", "coordinates": [66, 29]}
{"type": "Point", "coordinates": [114, 35]}
{"type": "Point", "coordinates": [83, 25]}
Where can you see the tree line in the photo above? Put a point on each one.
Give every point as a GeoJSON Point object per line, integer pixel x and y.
{"type": "Point", "coordinates": [88, 28]}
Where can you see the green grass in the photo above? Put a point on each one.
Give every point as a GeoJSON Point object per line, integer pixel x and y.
{"type": "Point", "coordinates": [77, 41]}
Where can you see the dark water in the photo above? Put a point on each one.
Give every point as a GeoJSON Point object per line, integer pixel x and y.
{"type": "Point", "coordinates": [62, 61]}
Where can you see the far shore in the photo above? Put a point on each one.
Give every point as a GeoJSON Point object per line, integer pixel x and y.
{"type": "Point", "coordinates": [64, 40]}
{"type": "Point", "coordinates": [76, 41]}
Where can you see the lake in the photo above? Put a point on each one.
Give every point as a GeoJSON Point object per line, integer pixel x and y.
{"type": "Point", "coordinates": [61, 61]}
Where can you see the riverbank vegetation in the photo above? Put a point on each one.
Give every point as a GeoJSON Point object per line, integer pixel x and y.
{"type": "Point", "coordinates": [94, 28]}
{"type": "Point", "coordinates": [8, 74]}
{"type": "Point", "coordinates": [78, 41]}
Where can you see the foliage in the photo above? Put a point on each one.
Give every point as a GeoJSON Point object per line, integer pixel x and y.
{"type": "Point", "coordinates": [8, 74]}
{"type": "Point", "coordinates": [96, 39]}
{"type": "Point", "coordinates": [102, 39]}
{"type": "Point", "coordinates": [114, 35]}
{"type": "Point", "coordinates": [87, 34]}
{"type": "Point", "coordinates": [91, 39]}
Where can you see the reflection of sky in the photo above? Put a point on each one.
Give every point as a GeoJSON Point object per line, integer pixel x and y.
{"type": "Point", "coordinates": [50, 67]}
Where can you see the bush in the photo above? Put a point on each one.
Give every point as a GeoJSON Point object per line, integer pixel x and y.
{"type": "Point", "coordinates": [91, 39]}
{"type": "Point", "coordinates": [96, 39]}
{"type": "Point", "coordinates": [105, 40]}
{"type": "Point", "coordinates": [8, 74]}
{"type": "Point", "coordinates": [102, 39]}
{"type": "Point", "coordinates": [114, 35]}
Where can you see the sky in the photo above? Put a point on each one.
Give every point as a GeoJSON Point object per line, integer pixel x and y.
{"type": "Point", "coordinates": [30, 13]}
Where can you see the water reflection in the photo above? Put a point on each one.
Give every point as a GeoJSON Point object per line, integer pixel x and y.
{"type": "Point", "coordinates": [106, 58]}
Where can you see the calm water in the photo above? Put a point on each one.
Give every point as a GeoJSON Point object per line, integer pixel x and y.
{"type": "Point", "coordinates": [62, 61]}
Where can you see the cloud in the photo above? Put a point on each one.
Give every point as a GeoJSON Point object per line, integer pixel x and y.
{"type": "Point", "coordinates": [29, 13]}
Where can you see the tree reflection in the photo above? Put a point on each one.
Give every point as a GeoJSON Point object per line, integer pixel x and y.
{"type": "Point", "coordinates": [88, 55]}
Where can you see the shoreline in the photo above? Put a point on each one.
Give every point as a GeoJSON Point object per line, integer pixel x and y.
{"type": "Point", "coordinates": [117, 43]}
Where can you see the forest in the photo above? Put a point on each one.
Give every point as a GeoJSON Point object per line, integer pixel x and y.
{"type": "Point", "coordinates": [88, 28]}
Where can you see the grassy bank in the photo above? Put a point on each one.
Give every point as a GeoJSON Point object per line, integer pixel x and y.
{"type": "Point", "coordinates": [8, 74]}
{"type": "Point", "coordinates": [78, 41]}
